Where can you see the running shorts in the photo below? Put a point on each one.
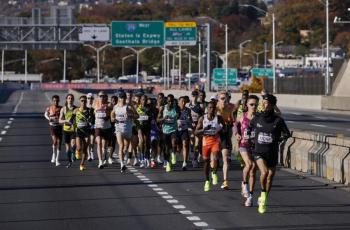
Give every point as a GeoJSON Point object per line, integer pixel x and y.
{"type": "Point", "coordinates": [270, 159]}
{"type": "Point", "coordinates": [226, 141]}
{"type": "Point", "coordinates": [209, 149]}
{"type": "Point", "coordinates": [56, 131]}
{"type": "Point", "coordinates": [68, 136]}
{"type": "Point", "coordinates": [183, 135]}
{"type": "Point", "coordinates": [167, 138]}
{"type": "Point", "coordinates": [104, 133]}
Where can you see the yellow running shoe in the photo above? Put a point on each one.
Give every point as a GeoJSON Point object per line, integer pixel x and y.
{"type": "Point", "coordinates": [77, 155]}
{"type": "Point", "coordinates": [207, 186]}
{"type": "Point", "coordinates": [173, 158]}
{"type": "Point", "coordinates": [214, 178]}
{"type": "Point", "coordinates": [224, 185]}
{"type": "Point", "coordinates": [168, 167]}
{"type": "Point", "coordinates": [82, 167]}
{"type": "Point", "coordinates": [262, 203]}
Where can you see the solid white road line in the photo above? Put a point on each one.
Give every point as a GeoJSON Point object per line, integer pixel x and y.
{"type": "Point", "coordinates": [18, 103]}
{"type": "Point", "coordinates": [317, 125]}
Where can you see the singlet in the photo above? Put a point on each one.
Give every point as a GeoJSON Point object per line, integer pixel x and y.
{"type": "Point", "coordinates": [226, 113]}
{"type": "Point", "coordinates": [196, 112]}
{"type": "Point", "coordinates": [211, 130]}
{"type": "Point", "coordinates": [100, 118]}
{"type": "Point", "coordinates": [83, 120]}
{"type": "Point", "coordinates": [244, 125]}
{"type": "Point", "coordinates": [144, 117]}
{"type": "Point", "coordinates": [123, 123]}
{"type": "Point", "coordinates": [169, 124]}
{"type": "Point", "coordinates": [54, 115]}
{"type": "Point", "coordinates": [183, 123]}
{"type": "Point", "coordinates": [68, 116]}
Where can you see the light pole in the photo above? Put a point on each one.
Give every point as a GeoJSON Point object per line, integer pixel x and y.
{"type": "Point", "coordinates": [98, 50]}
{"type": "Point", "coordinates": [138, 52]}
{"type": "Point", "coordinates": [2, 65]}
{"type": "Point", "coordinates": [226, 55]}
{"type": "Point", "coordinates": [240, 51]}
{"type": "Point", "coordinates": [257, 56]}
{"type": "Point", "coordinates": [273, 41]}
{"type": "Point", "coordinates": [123, 60]}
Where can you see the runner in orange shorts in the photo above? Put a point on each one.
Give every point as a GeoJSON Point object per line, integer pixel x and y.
{"type": "Point", "coordinates": [210, 125]}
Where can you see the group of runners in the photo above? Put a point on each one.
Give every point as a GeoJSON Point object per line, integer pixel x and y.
{"type": "Point", "coordinates": [147, 132]}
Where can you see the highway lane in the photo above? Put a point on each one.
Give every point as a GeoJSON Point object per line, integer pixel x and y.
{"type": "Point", "coordinates": [36, 195]}
{"type": "Point", "coordinates": [326, 122]}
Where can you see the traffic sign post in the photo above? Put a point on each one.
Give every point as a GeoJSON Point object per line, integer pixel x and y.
{"type": "Point", "coordinates": [180, 33]}
{"type": "Point", "coordinates": [137, 33]}
{"type": "Point", "coordinates": [262, 72]}
{"type": "Point", "coordinates": [219, 76]}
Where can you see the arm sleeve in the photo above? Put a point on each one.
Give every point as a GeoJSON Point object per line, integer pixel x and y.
{"type": "Point", "coordinates": [46, 115]}
{"type": "Point", "coordinates": [284, 129]}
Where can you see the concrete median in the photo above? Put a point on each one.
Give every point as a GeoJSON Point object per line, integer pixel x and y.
{"type": "Point", "coordinates": [321, 155]}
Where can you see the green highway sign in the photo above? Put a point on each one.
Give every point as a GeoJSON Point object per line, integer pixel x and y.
{"type": "Point", "coordinates": [137, 33]}
{"type": "Point", "coordinates": [262, 72]}
{"type": "Point", "coordinates": [219, 76]}
{"type": "Point", "coordinates": [180, 33]}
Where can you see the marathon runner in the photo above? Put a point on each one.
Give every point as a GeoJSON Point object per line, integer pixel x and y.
{"type": "Point", "coordinates": [242, 104]}
{"type": "Point", "coordinates": [113, 140]}
{"type": "Point", "coordinates": [209, 126]}
{"type": "Point", "coordinates": [83, 119]}
{"type": "Point", "coordinates": [196, 112]}
{"type": "Point", "coordinates": [184, 122]}
{"type": "Point", "coordinates": [261, 107]}
{"type": "Point", "coordinates": [90, 149]}
{"type": "Point", "coordinates": [68, 128]}
{"type": "Point", "coordinates": [226, 110]}
{"type": "Point", "coordinates": [143, 126]}
{"type": "Point", "coordinates": [269, 129]}
{"type": "Point", "coordinates": [167, 116]}
{"type": "Point", "coordinates": [123, 115]}
{"type": "Point", "coordinates": [52, 114]}
{"type": "Point", "coordinates": [103, 127]}
{"type": "Point", "coordinates": [160, 103]}
{"type": "Point", "coordinates": [245, 149]}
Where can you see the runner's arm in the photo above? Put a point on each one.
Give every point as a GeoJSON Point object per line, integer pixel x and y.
{"type": "Point", "coordinates": [160, 117]}
{"type": "Point", "coordinates": [46, 114]}
{"type": "Point", "coordinates": [199, 128]}
{"type": "Point", "coordinates": [112, 116]}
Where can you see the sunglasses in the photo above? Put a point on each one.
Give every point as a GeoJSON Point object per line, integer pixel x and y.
{"type": "Point", "coordinates": [252, 105]}
{"type": "Point", "coordinates": [222, 98]}
{"type": "Point", "coordinates": [89, 98]}
{"type": "Point", "coordinates": [82, 100]}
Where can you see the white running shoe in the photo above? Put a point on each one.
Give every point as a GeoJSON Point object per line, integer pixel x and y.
{"type": "Point", "coordinates": [147, 163]}
{"type": "Point", "coordinates": [58, 163]}
{"type": "Point", "coordinates": [142, 164]}
{"type": "Point", "coordinates": [128, 161]}
{"type": "Point", "coordinates": [110, 160]}
{"type": "Point", "coordinates": [53, 159]}
{"type": "Point", "coordinates": [244, 190]}
{"type": "Point", "coordinates": [100, 165]}
{"type": "Point", "coordinates": [159, 161]}
{"type": "Point", "coordinates": [136, 161]}
{"type": "Point", "coordinates": [104, 162]}
{"type": "Point", "coordinates": [249, 201]}
{"type": "Point", "coordinates": [92, 155]}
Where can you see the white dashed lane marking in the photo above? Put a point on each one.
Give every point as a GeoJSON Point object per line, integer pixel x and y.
{"type": "Point", "coordinates": [7, 127]}
{"type": "Point", "coordinates": [3, 132]}
{"type": "Point", "coordinates": [317, 125]}
{"type": "Point", "coordinates": [196, 220]}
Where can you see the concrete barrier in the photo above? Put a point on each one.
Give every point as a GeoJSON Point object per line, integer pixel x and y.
{"type": "Point", "coordinates": [335, 103]}
{"type": "Point", "coordinates": [318, 154]}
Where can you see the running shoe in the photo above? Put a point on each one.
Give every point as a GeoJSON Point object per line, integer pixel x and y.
{"type": "Point", "coordinates": [207, 186]}
{"type": "Point", "coordinates": [165, 164]}
{"type": "Point", "coordinates": [153, 164]}
{"type": "Point", "coordinates": [184, 166]}
{"type": "Point", "coordinates": [53, 159]}
{"type": "Point", "coordinates": [173, 158]}
{"type": "Point", "coordinates": [194, 164]}
{"type": "Point", "coordinates": [92, 154]}
{"type": "Point", "coordinates": [262, 203]}
{"type": "Point", "coordinates": [82, 167]}
{"type": "Point", "coordinates": [136, 162]}
{"type": "Point", "coordinates": [58, 163]}
{"type": "Point", "coordinates": [159, 161]}
{"type": "Point", "coordinates": [168, 167]}
{"type": "Point", "coordinates": [100, 165]}
{"type": "Point", "coordinates": [128, 161]}
{"type": "Point", "coordinates": [224, 185]}
{"type": "Point", "coordinates": [142, 164]}
{"type": "Point", "coordinates": [244, 190]}
{"type": "Point", "coordinates": [69, 165]}
{"type": "Point", "coordinates": [77, 155]}
{"type": "Point", "coordinates": [89, 159]}
{"type": "Point", "coordinates": [214, 178]}
{"type": "Point", "coordinates": [110, 160]}
{"type": "Point", "coordinates": [123, 169]}
{"type": "Point", "coordinates": [249, 201]}
{"type": "Point", "coordinates": [147, 163]}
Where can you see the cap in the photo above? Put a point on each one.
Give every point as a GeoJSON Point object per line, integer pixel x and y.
{"type": "Point", "coordinates": [195, 93]}
{"type": "Point", "coordinates": [214, 97]}
{"type": "Point", "coordinates": [101, 93]}
{"type": "Point", "coordinates": [122, 94]}
{"type": "Point", "coordinates": [89, 95]}
{"type": "Point", "coordinates": [270, 98]}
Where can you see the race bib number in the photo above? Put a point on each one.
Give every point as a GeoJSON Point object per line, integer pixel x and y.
{"type": "Point", "coordinates": [265, 138]}
{"type": "Point", "coordinates": [143, 118]}
{"type": "Point", "coordinates": [169, 121]}
{"type": "Point", "coordinates": [182, 124]}
{"type": "Point", "coordinates": [82, 124]}
{"type": "Point", "coordinates": [121, 118]}
{"type": "Point", "coordinates": [101, 115]}
{"type": "Point", "coordinates": [210, 132]}
{"type": "Point", "coordinates": [245, 135]}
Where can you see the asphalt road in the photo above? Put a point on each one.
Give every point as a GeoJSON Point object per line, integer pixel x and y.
{"type": "Point", "coordinates": [36, 195]}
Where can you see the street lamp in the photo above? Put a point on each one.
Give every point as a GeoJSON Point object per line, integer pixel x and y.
{"type": "Point", "coordinates": [257, 56]}
{"type": "Point", "coordinates": [240, 51]}
{"type": "Point", "coordinates": [98, 50]}
{"type": "Point", "coordinates": [123, 60]}
{"type": "Point", "coordinates": [138, 52]}
{"type": "Point", "coordinates": [273, 41]}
